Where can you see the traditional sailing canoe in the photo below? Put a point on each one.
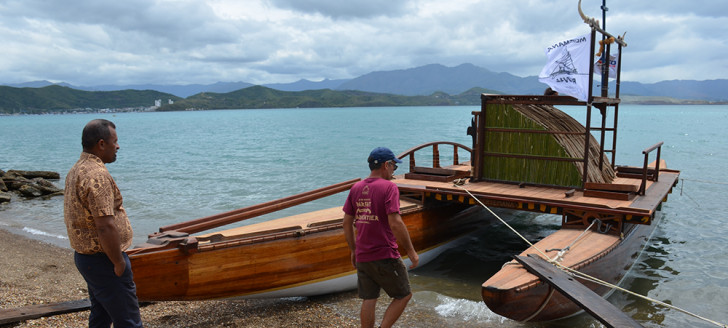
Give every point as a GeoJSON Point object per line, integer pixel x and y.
{"type": "Point", "coordinates": [526, 155]}
{"type": "Point", "coordinates": [300, 255]}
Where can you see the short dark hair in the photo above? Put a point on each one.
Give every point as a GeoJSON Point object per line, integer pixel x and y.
{"type": "Point", "coordinates": [94, 131]}
{"type": "Point", "coordinates": [374, 166]}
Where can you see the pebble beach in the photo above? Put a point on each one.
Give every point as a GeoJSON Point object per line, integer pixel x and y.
{"type": "Point", "coordinates": [33, 272]}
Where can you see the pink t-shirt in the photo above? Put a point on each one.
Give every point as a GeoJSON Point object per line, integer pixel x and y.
{"type": "Point", "coordinates": [369, 202]}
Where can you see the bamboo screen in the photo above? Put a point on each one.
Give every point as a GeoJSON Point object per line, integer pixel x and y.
{"type": "Point", "coordinates": [538, 171]}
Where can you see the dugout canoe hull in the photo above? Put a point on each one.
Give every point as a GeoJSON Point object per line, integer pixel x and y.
{"type": "Point", "coordinates": [517, 294]}
{"type": "Point", "coordinates": [301, 255]}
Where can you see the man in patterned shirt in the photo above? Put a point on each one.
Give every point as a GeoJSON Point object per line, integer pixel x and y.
{"type": "Point", "coordinates": [99, 230]}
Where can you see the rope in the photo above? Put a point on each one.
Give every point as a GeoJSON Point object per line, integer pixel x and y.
{"type": "Point", "coordinates": [682, 184]}
{"type": "Point", "coordinates": [706, 181]}
{"type": "Point", "coordinates": [604, 283]}
{"type": "Point", "coordinates": [562, 252]}
{"type": "Point", "coordinates": [543, 305]}
{"type": "Point", "coordinates": [580, 274]}
{"type": "Point", "coordinates": [504, 222]}
{"type": "Point", "coordinates": [609, 40]}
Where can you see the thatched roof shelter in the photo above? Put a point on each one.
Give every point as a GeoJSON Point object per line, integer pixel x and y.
{"type": "Point", "coordinates": [566, 142]}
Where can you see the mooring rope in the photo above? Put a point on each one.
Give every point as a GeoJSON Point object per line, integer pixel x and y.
{"type": "Point", "coordinates": [706, 181]}
{"type": "Point", "coordinates": [584, 276]}
{"type": "Point", "coordinates": [560, 255]}
{"type": "Point", "coordinates": [604, 283]}
{"type": "Point", "coordinates": [502, 221]}
{"type": "Point", "coordinates": [682, 184]}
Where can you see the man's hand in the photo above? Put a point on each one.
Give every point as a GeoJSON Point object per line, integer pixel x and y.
{"type": "Point", "coordinates": [399, 229]}
{"type": "Point", "coordinates": [350, 238]}
{"type": "Point", "coordinates": [415, 259]}
{"type": "Point", "coordinates": [119, 268]}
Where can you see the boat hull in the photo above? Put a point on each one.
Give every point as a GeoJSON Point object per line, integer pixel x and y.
{"type": "Point", "coordinates": [307, 262]}
{"type": "Point", "coordinates": [516, 294]}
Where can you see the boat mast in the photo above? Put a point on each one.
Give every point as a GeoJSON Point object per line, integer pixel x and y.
{"type": "Point", "coordinates": [605, 53]}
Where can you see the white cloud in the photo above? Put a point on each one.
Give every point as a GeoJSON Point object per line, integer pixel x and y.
{"type": "Point", "coordinates": [92, 42]}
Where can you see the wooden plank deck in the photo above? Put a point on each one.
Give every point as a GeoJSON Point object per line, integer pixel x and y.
{"type": "Point", "coordinates": [294, 222]}
{"type": "Point", "coordinates": [639, 208]}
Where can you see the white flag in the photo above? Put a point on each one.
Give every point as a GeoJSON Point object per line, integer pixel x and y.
{"type": "Point", "coordinates": [567, 69]}
{"type": "Point", "coordinates": [612, 65]}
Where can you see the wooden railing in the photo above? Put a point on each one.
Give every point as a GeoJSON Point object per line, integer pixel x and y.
{"type": "Point", "coordinates": [647, 152]}
{"type": "Point", "coordinates": [435, 153]}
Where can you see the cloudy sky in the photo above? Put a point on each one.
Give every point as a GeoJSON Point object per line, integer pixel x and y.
{"type": "Point", "coordinates": [94, 42]}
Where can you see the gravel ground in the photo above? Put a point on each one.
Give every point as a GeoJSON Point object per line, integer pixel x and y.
{"type": "Point", "coordinates": [33, 272]}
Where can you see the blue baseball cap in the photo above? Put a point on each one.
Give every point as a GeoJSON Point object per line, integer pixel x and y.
{"type": "Point", "coordinates": [381, 155]}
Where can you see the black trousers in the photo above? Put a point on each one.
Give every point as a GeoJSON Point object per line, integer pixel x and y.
{"type": "Point", "coordinates": [113, 299]}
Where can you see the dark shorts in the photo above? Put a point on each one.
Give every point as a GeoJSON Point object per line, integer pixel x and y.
{"type": "Point", "coordinates": [388, 274]}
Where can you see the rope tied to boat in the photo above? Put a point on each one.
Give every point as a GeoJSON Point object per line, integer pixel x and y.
{"type": "Point", "coordinates": [562, 251]}
{"type": "Point", "coordinates": [559, 256]}
{"type": "Point", "coordinates": [460, 184]}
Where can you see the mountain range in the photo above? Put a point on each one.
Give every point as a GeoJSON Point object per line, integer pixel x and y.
{"type": "Point", "coordinates": [426, 80]}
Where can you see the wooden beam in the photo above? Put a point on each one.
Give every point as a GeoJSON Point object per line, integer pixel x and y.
{"type": "Point", "coordinates": [222, 219]}
{"type": "Point", "coordinates": [612, 187]}
{"type": "Point", "coordinates": [609, 194]}
{"type": "Point", "coordinates": [42, 310]}
{"type": "Point", "coordinates": [592, 303]}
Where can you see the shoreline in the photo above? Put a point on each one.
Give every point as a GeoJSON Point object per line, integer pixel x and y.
{"type": "Point", "coordinates": [36, 272]}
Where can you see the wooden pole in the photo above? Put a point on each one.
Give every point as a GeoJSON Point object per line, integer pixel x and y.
{"type": "Point", "coordinates": [214, 221]}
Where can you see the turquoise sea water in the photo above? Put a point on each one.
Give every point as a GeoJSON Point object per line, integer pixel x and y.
{"type": "Point", "coordinates": [180, 166]}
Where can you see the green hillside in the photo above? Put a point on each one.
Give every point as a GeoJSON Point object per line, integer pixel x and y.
{"type": "Point", "coordinates": [262, 97]}
{"type": "Point", "coordinates": [56, 98]}
{"type": "Point", "coordinates": [59, 99]}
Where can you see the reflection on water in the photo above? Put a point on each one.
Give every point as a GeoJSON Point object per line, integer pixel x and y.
{"type": "Point", "coordinates": [645, 276]}
{"type": "Point", "coordinates": [460, 270]}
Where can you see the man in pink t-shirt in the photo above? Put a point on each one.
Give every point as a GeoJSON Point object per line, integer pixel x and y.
{"type": "Point", "coordinates": [372, 208]}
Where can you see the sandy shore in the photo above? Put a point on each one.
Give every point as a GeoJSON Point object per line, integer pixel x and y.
{"type": "Point", "coordinates": [33, 272]}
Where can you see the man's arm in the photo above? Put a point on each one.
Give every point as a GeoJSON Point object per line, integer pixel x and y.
{"type": "Point", "coordinates": [350, 238]}
{"type": "Point", "coordinates": [110, 242]}
{"type": "Point", "coordinates": [400, 232]}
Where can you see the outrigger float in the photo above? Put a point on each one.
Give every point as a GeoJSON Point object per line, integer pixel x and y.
{"type": "Point", "coordinates": [526, 156]}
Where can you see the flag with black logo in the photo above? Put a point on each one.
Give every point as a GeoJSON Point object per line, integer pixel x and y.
{"type": "Point", "coordinates": [567, 69]}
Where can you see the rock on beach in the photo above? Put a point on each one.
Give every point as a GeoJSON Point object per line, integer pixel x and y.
{"type": "Point", "coordinates": [28, 184]}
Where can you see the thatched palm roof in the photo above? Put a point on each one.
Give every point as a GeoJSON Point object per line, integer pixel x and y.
{"type": "Point", "coordinates": [540, 117]}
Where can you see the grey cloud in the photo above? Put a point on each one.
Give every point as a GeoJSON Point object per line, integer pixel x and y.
{"type": "Point", "coordinates": [145, 41]}
{"type": "Point", "coordinates": [346, 9]}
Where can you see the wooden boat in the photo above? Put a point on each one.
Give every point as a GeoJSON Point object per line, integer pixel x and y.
{"type": "Point", "coordinates": [300, 255]}
{"type": "Point", "coordinates": [607, 217]}
{"type": "Point", "coordinates": [622, 224]}
{"type": "Point", "coordinates": [526, 155]}
{"type": "Point", "coordinates": [519, 295]}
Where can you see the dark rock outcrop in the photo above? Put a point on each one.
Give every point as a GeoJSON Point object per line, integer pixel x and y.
{"type": "Point", "coordinates": [29, 184]}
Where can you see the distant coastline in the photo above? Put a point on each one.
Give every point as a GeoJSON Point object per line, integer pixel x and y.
{"type": "Point", "coordinates": [63, 100]}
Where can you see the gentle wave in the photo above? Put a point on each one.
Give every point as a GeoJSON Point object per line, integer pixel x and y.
{"type": "Point", "coordinates": [42, 233]}
{"type": "Point", "coordinates": [465, 309]}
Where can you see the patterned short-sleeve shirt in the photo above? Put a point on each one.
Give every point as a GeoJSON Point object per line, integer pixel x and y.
{"type": "Point", "coordinates": [92, 192]}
